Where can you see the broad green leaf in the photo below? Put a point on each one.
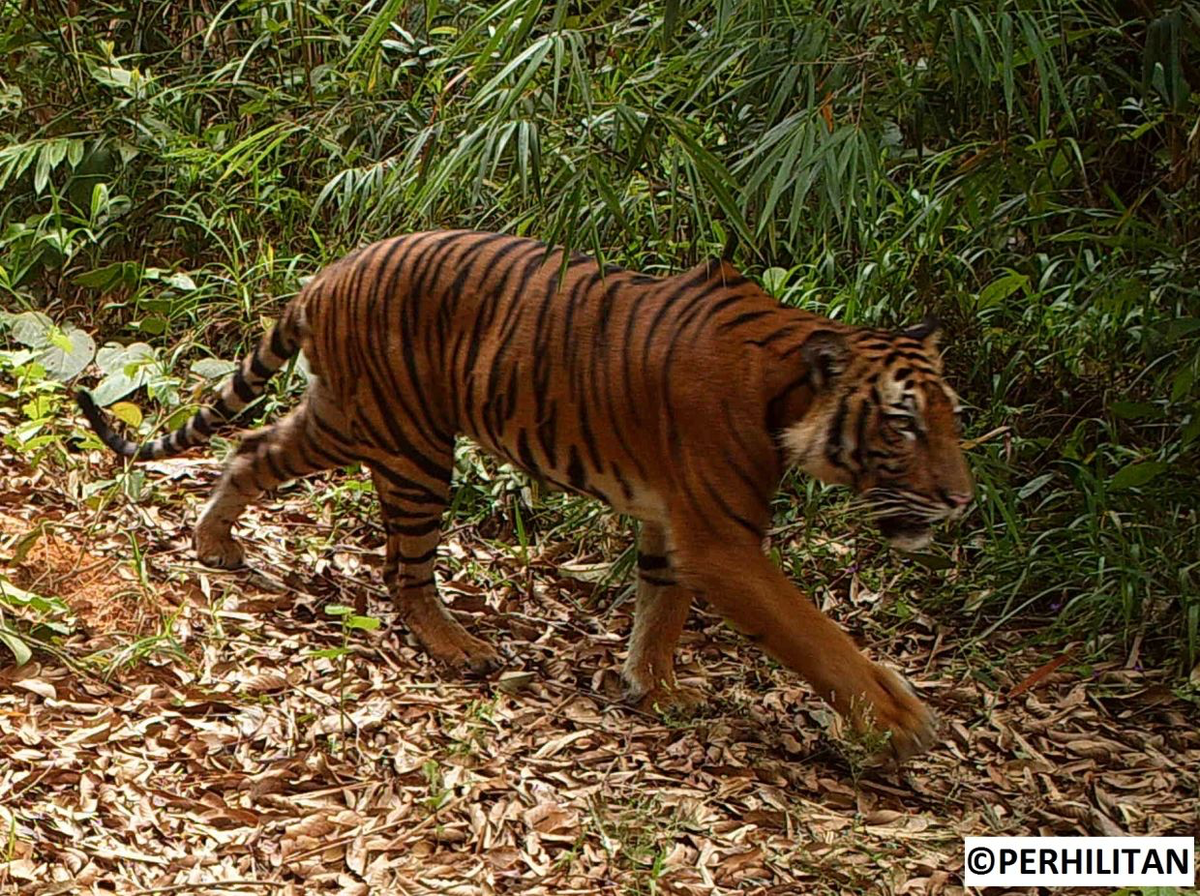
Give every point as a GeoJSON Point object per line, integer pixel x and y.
{"type": "Point", "coordinates": [62, 351]}
{"type": "Point", "coordinates": [1136, 474]}
{"type": "Point", "coordinates": [338, 610]}
{"type": "Point", "coordinates": [13, 595]}
{"type": "Point", "coordinates": [119, 273]}
{"type": "Point", "coordinates": [60, 340]}
{"type": "Point", "coordinates": [180, 281]}
{"type": "Point", "coordinates": [1134, 410]}
{"type": "Point", "coordinates": [114, 357]}
{"type": "Point", "coordinates": [128, 412]}
{"type": "Point", "coordinates": [213, 368]}
{"type": "Point", "coordinates": [126, 367]}
{"type": "Point", "coordinates": [1034, 485]}
{"type": "Point", "coordinates": [99, 199]}
{"type": "Point", "coordinates": [1000, 289]}
{"type": "Point", "coordinates": [329, 653]}
{"type": "Point", "coordinates": [20, 650]}
{"type": "Point", "coordinates": [931, 561]}
{"type": "Point", "coordinates": [31, 328]}
{"type": "Point", "coordinates": [1181, 386]}
{"type": "Point", "coordinates": [1180, 327]}
{"type": "Point", "coordinates": [20, 550]}
{"type": "Point", "coordinates": [366, 623]}
{"type": "Point", "coordinates": [115, 386]}
{"type": "Point", "coordinates": [71, 350]}
{"type": "Point", "coordinates": [773, 280]}
{"type": "Point", "coordinates": [1191, 430]}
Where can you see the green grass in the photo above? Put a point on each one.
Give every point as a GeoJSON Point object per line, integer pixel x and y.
{"type": "Point", "coordinates": [1030, 171]}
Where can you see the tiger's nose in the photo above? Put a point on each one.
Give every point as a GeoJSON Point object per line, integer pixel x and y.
{"type": "Point", "coordinates": [957, 500]}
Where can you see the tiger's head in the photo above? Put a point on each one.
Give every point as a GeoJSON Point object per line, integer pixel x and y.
{"type": "Point", "coordinates": [885, 423]}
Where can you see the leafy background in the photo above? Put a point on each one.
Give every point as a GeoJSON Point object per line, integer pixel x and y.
{"type": "Point", "coordinates": [1026, 170]}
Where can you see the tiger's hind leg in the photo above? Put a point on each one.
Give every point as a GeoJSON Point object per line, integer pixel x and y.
{"type": "Point", "coordinates": [661, 611]}
{"type": "Point", "coordinates": [412, 501]}
{"type": "Point", "coordinates": [305, 441]}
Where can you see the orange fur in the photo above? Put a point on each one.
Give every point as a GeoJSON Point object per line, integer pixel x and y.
{"type": "Point", "coordinates": [678, 400]}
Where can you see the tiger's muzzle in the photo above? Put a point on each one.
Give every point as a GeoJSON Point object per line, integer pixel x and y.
{"type": "Point", "coordinates": [906, 519]}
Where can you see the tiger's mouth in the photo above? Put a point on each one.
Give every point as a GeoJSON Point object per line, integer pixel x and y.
{"type": "Point", "coordinates": [907, 533]}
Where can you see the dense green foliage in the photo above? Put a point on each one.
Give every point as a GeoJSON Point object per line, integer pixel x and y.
{"type": "Point", "coordinates": [1029, 170]}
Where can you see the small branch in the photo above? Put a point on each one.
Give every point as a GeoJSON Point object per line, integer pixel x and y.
{"type": "Point", "coordinates": [211, 884]}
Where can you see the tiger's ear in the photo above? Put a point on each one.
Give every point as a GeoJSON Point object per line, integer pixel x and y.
{"type": "Point", "coordinates": [928, 331]}
{"type": "Point", "coordinates": [826, 354]}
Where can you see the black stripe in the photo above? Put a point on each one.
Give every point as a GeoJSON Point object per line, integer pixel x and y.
{"type": "Point", "coordinates": [446, 245]}
{"type": "Point", "coordinates": [243, 389]}
{"type": "Point", "coordinates": [331, 459]}
{"type": "Point", "coordinates": [407, 488]}
{"type": "Point", "coordinates": [484, 319]}
{"type": "Point", "coordinates": [419, 560]}
{"type": "Point", "coordinates": [391, 511]}
{"type": "Point", "coordinates": [416, 530]}
{"type": "Point", "coordinates": [302, 447]}
{"type": "Point", "coordinates": [744, 318]}
{"type": "Point", "coordinates": [775, 421]}
{"type": "Point", "coordinates": [259, 369]}
{"type": "Point", "coordinates": [583, 287]}
{"type": "Point", "coordinates": [276, 470]}
{"type": "Point", "coordinates": [222, 410]}
{"type": "Point", "coordinates": [781, 333]}
{"type": "Point", "coordinates": [631, 401]}
{"type": "Point", "coordinates": [407, 585]}
{"type": "Point", "coordinates": [756, 486]}
{"type": "Point", "coordinates": [547, 433]}
{"type": "Point", "coordinates": [401, 444]}
{"type": "Point", "coordinates": [279, 348]}
{"type": "Point", "coordinates": [699, 275]}
{"type": "Point", "coordinates": [679, 328]}
{"type": "Point", "coordinates": [656, 580]}
{"type": "Point", "coordinates": [718, 496]}
{"type": "Point", "coordinates": [382, 371]}
{"type": "Point", "coordinates": [652, 561]}
{"type": "Point", "coordinates": [524, 452]}
{"type": "Point", "coordinates": [625, 487]}
{"type": "Point", "coordinates": [331, 434]}
{"type": "Point", "coordinates": [575, 473]}
{"type": "Point", "coordinates": [833, 440]}
{"type": "Point", "coordinates": [285, 463]}
{"type": "Point", "coordinates": [860, 432]}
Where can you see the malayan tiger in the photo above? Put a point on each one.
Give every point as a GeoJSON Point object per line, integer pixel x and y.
{"type": "Point", "coordinates": [677, 400]}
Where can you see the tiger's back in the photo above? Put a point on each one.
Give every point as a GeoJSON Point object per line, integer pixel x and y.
{"type": "Point", "coordinates": [677, 400]}
{"type": "Point", "coordinates": [597, 381]}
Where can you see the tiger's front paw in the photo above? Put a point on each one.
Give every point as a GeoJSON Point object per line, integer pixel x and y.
{"type": "Point", "coordinates": [892, 706]}
{"type": "Point", "coordinates": [468, 652]}
{"type": "Point", "coordinates": [642, 691]}
{"type": "Point", "coordinates": [663, 698]}
{"type": "Point", "coordinates": [218, 551]}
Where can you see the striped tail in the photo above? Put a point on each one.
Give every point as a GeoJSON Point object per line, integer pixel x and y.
{"type": "Point", "coordinates": [246, 385]}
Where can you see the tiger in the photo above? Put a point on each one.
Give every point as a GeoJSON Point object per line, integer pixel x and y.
{"type": "Point", "coordinates": [680, 401]}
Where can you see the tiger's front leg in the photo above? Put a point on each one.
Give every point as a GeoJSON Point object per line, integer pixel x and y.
{"type": "Point", "coordinates": [412, 503]}
{"type": "Point", "coordinates": [662, 609]}
{"type": "Point", "coordinates": [732, 573]}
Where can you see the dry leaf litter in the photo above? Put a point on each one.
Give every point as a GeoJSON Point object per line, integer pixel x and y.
{"type": "Point", "coordinates": [212, 753]}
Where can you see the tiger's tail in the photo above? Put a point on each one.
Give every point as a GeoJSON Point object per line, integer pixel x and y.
{"type": "Point", "coordinates": [247, 383]}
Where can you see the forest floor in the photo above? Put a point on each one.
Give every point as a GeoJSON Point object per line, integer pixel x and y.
{"type": "Point", "coordinates": [204, 748]}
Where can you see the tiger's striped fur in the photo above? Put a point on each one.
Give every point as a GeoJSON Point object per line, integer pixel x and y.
{"type": "Point", "coordinates": [679, 401]}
